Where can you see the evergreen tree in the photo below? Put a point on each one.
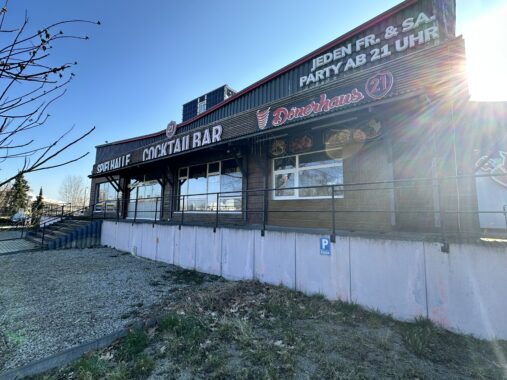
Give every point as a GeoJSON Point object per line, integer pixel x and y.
{"type": "Point", "coordinates": [37, 207]}
{"type": "Point", "coordinates": [19, 196]}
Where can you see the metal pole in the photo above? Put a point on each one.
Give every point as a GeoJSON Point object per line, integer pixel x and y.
{"type": "Point", "coordinates": [173, 203]}
{"type": "Point", "coordinates": [264, 206]}
{"type": "Point", "coordinates": [117, 209]}
{"type": "Point", "coordinates": [135, 210]}
{"type": "Point", "coordinates": [43, 233]}
{"type": "Point", "coordinates": [216, 217]}
{"type": "Point", "coordinates": [445, 244]}
{"type": "Point", "coordinates": [105, 207]}
{"type": "Point", "coordinates": [505, 215]}
{"type": "Point", "coordinates": [333, 235]}
{"type": "Point", "coordinates": [156, 208]}
{"type": "Point", "coordinates": [182, 212]}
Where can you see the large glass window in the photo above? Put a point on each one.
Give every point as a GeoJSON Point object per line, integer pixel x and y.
{"type": "Point", "coordinates": [200, 184]}
{"type": "Point", "coordinates": [106, 196]}
{"type": "Point", "coordinates": [145, 200]}
{"type": "Point", "coordinates": [315, 171]}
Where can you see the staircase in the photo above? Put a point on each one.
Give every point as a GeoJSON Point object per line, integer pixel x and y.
{"type": "Point", "coordinates": [67, 233]}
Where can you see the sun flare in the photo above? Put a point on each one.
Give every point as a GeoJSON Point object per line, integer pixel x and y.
{"type": "Point", "coordinates": [487, 56]}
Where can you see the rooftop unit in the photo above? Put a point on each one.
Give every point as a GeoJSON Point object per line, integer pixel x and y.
{"type": "Point", "coordinates": [206, 101]}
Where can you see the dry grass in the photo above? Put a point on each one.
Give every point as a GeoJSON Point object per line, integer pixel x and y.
{"type": "Point", "coordinates": [247, 330]}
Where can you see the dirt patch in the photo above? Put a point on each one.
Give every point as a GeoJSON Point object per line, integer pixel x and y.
{"type": "Point", "coordinates": [254, 331]}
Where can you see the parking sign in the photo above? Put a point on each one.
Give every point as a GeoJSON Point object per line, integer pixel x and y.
{"type": "Point", "coordinates": [325, 246]}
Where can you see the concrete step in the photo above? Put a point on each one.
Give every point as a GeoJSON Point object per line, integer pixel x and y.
{"type": "Point", "coordinates": [34, 239]}
{"type": "Point", "coordinates": [66, 229]}
{"type": "Point", "coordinates": [67, 234]}
{"type": "Point", "coordinates": [77, 221]}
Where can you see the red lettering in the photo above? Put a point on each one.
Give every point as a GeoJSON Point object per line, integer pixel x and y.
{"type": "Point", "coordinates": [356, 95]}
{"type": "Point", "coordinates": [280, 116]}
{"type": "Point", "coordinates": [324, 103]}
{"type": "Point", "coordinates": [335, 102]}
{"type": "Point", "coordinates": [345, 99]}
{"type": "Point", "coordinates": [300, 112]}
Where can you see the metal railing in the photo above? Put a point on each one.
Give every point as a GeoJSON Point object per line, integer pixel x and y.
{"type": "Point", "coordinates": [64, 212]}
{"type": "Point", "coordinates": [59, 209]}
{"type": "Point", "coordinates": [415, 205]}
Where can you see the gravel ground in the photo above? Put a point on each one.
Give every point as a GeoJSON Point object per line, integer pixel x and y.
{"type": "Point", "coordinates": [53, 300]}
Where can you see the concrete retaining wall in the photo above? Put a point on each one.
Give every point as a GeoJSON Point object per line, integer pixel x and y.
{"type": "Point", "coordinates": [463, 290]}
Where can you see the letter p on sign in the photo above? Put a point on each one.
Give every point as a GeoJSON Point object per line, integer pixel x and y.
{"type": "Point", "coordinates": [325, 246]}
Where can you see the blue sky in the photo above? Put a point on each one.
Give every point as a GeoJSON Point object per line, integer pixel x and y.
{"type": "Point", "coordinates": [148, 58]}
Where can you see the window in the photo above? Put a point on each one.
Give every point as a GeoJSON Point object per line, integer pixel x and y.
{"type": "Point", "coordinates": [106, 196]}
{"type": "Point", "coordinates": [201, 104]}
{"type": "Point", "coordinates": [199, 185]}
{"type": "Point", "coordinates": [148, 196]}
{"type": "Point", "coordinates": [308, 170]}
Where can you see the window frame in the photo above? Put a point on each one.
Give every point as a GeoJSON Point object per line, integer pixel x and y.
{"type": "Point", "coordinates": [296, 170]}
{"type": "Point", "coordinates": [159, 200]}
{"type": "Point", "coordinates": [106, 202]}
{"type": "Point", "coordinates": [208, 174]}
{"type": "Point", "coordinates": [203, 103]}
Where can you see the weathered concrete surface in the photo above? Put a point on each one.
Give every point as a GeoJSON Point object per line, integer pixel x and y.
{"type": "Point", "coordinates": [10, 233]}
{"type": "Point", "coordinates": [238, 254]}
{"type": "Point", "coordinates": [16, 245]}
{"type": "Point", "coordinates": [467, 289]}
{"type": "Point", "coordinates": [149, 246]}
{"type": "Point", "coordinates": [208, 251]}
{"type": "Point", "coordinates": [184, 251]}
{"type": "Point", "coordinates": [275, 258]}
{"type": "Point", "coordinates": [389, 276]}
{"type": "Point", "coordinates": [320, 274]}
{"type": "Point", "coordinates": [165, 251]}
{"type": "Point", "coordinates": [463, 290]}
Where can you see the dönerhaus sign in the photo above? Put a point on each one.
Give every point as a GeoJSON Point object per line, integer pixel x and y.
{"type": "Point", "coordinates": [374, 88]}
{"type": "Point", "coordinates": [183, 143]}
{"type": "Point", "coordinates": [395, 39]}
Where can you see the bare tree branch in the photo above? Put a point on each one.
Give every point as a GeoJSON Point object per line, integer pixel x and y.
{"type": "Point", "coordinates": [29, 84]}
{"type": "Point", "coordinates": [8, 146]}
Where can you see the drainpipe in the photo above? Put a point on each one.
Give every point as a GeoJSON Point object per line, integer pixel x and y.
{"type": "Point", "coordinates": [456, 168]}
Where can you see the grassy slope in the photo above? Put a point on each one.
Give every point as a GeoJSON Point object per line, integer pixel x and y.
{"type": "Point", "coordinates": [254, 331]}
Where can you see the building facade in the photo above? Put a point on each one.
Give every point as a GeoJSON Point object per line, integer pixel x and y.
{"type": "Point", "coordinates": [359, 135]}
